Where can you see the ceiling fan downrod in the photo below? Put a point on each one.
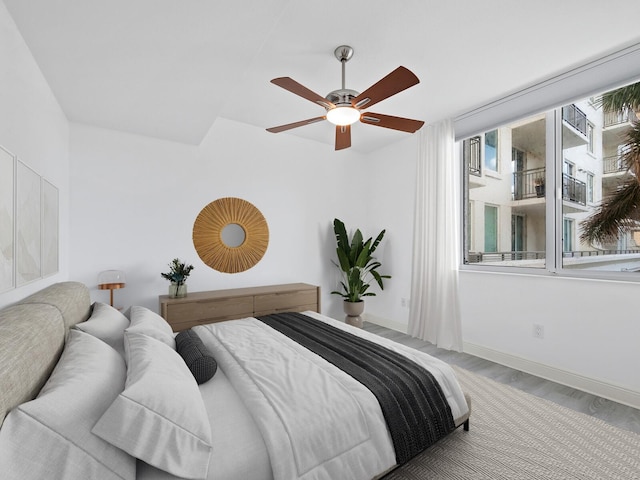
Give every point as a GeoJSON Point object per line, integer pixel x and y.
{"type": "Point", "coordinates": [343, 53]}
{"type": "Point", "coordinates": [343, 96]}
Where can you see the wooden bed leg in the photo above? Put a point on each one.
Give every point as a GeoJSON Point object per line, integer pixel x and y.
{"type": "Point", "coordinates": [465, 425]}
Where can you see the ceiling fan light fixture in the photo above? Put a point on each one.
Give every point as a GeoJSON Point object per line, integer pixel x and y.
{"type": "Point", "coordinates": [344, 106]}
{"type": "Point", "coordinates": [343, 116]}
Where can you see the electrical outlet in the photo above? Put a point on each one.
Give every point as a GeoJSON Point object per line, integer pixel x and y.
{"type": "Point", "coordinates": [538, 330]}
{"type": "Point", "coordinates": [404, 302]}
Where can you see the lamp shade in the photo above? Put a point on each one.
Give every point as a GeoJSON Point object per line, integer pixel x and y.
{"type": "Point", "coordinates": [111, 280]}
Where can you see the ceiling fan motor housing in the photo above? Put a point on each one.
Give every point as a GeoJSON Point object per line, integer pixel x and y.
{"type": "Point", "coordinates": [341, 97]}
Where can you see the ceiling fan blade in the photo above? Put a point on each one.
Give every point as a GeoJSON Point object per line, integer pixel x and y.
{"type": "Point", "coordinates": [388, 121]}
{"type": "Point", "coordinates": [294, 87]}
{"type": "Point", "coordinates": [398, 80]}
{"type": "Point", "coordinates": [289, 126]}
{"type": "Point", "coordinates": [343, 136]}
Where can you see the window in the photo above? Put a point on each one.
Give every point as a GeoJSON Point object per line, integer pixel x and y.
{"type": "Point", "coordinates": [516, 193]}
{"type": "Point", "coordinates": [518, 236]}
{"type": "Point", "coordinates": [472, 154]}
{"type": "Point", "coordinates": [571, 152]}
{"type": "Point", "coordinates": [590, 139]}
{"type": "Point", "coordinates": [490, 228]}
{"type": "Point", "coordinates": [517, 166]}
{"type": "Point", "coordinates": [567, 235]}
{"type": "Point", "coordinates": [491, 150]}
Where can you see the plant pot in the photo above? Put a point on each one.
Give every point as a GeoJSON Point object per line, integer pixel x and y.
{"type": "Point", "coordinates": [540, 191]}
{"type": "Point", "coordinates": [177, 291]}
{"type": "Point", "coordinates": [353, 309]}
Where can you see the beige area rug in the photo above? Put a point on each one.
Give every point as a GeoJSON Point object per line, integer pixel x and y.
{"type": "Point", "coordinates": [515, 435]}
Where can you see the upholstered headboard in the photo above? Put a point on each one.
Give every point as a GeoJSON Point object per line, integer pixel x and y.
{"type": "Point", "coordinates": [32, 335]}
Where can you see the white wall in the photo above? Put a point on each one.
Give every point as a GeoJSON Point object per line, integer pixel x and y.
{"type": "Point", "coordinates": [390, 198]}
{"type": "Point", "coordinates": [33, 127]}
{"type": "Point", "coordinates": [591, 329]}
{"type": "Point", "coordinates": [134, 200]}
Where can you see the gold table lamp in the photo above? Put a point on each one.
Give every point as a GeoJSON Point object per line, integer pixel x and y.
{"type": "Point", "coordinates": [111, 280]}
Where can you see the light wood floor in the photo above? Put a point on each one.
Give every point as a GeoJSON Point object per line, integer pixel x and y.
{"type": "Point", "coordinates": [613, 413]}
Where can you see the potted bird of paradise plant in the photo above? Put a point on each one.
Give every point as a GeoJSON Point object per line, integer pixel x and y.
{"type": "Point", "coordinates": [358, 267]}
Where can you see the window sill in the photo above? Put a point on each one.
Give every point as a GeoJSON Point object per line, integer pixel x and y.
{"type": "Point", "coordinates": [602, 276]}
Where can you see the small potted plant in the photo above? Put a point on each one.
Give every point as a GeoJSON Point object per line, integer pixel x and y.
{"type": "Point", "coordinates": [539, 184]}
{"type": "Point", "coordinates": [178, 276]}
{"type": "Point", "coordinates": [358, 267]}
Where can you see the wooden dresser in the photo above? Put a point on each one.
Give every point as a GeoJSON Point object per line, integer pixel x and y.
{"type": "Point", "coordinates": [218, 305]}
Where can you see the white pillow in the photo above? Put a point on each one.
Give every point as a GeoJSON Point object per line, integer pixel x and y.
{"type": "Point", "coordinates": [160, 417]}
{"type": "Point", "coordinates": [50, 436]}
{"type": "Point", "coordinates": [107, 324]}
{"type": "Point", "coordinates": [151, 324]}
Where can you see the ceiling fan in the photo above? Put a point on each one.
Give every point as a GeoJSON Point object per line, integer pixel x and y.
{"type": "Point", "coordinates": [344, 106]}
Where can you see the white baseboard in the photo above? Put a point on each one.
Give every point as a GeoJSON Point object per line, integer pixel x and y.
{"type": "Point", "coordinates": [385, 322]}
{"type": "Point", "coordinates": [596, 387]}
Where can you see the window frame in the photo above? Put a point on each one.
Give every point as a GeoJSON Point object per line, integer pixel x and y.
{"type": "Point", "coordinates": [618, 68]}
{"type": "Point", "coordinates": [553, 210]}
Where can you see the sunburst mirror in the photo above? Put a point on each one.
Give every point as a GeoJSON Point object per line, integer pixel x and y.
{"type": "Point", "coordinates": [230, 235]}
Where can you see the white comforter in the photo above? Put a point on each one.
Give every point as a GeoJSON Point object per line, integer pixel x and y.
{"type": "Point", "coordinates": [316, 421]}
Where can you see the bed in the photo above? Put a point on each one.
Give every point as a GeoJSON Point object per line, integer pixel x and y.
{"type": "Point", "coordinates": [89, 392]}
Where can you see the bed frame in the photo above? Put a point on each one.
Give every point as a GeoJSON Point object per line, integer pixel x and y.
{"type": "Point", "coordinates": [32, 336]}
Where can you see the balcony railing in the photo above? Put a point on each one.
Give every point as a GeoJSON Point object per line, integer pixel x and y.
{"type": "Point", "coordinates": [575, 117]}
{"type": "Point", "coordinates": [574, 190]}
{"type": "Point", "coordinates": [597, 253]}
{"type": "Point", "coordinates": [530, 184]}
{"type": "Point", "coordinates": [618, 117]}
{"type": "Point", "coordinates": [612, 164]}
{"type": "Point", "coordinates": [479, 257]}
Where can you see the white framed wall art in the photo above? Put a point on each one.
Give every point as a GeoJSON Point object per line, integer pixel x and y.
{"type": "Point", "coordinates": [7, 220]}
{"type": "Point", "coordinates": [28, 225]}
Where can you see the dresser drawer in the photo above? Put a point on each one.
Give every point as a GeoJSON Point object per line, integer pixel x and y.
{"type": "Point", "coordinates": [207, 311]}
{"type": "Point", "coordinates": [286, 301]}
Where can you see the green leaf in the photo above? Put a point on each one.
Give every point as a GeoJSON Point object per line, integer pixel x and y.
{"type": "Point", "coordinates": [345, 264]}
{"type": "Point", "coordinates": [378, 240]}
{"type": "Point", "coordinates": [362, 259]}
{"type": "Point", "coordinates": [342, 239]}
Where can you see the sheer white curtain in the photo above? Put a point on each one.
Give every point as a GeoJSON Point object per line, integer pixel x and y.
{"type": "Point", "coordinates": [434, 313]}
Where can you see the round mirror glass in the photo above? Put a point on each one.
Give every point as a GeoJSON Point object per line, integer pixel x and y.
{"type": "Point", "coordinates": [233, 235]}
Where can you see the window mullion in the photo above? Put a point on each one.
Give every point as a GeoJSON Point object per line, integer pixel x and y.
{"type": "Point", "coordinates": [554, 196]}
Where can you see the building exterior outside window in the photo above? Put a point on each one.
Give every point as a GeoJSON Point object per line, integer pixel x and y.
{"type": "Point", "coordinates": [508, 225]}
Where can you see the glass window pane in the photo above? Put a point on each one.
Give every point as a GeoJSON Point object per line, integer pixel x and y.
{"type": "Point", "coordinates": [507, 226]}
{"type": "Point", "coordinates": [490, 228]}
{"type": "Point", "coordinates": [491, 150]}
{"type": "Point", "coordinates": [599, 168]}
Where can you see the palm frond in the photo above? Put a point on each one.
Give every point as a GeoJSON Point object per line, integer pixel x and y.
{"type": "Point", "coordinates": [616, 214]}
{"type": "Point", "coordinates": [630, 155]}
{"type": "Point", "coordinates": [621, 98]}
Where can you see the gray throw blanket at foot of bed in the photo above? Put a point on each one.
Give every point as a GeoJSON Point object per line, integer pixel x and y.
{"type": "Point", "coordinates": [412, 402]}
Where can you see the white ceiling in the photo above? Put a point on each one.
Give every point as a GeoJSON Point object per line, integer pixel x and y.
{"type": "Point", "coordinates": [169, 68]}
